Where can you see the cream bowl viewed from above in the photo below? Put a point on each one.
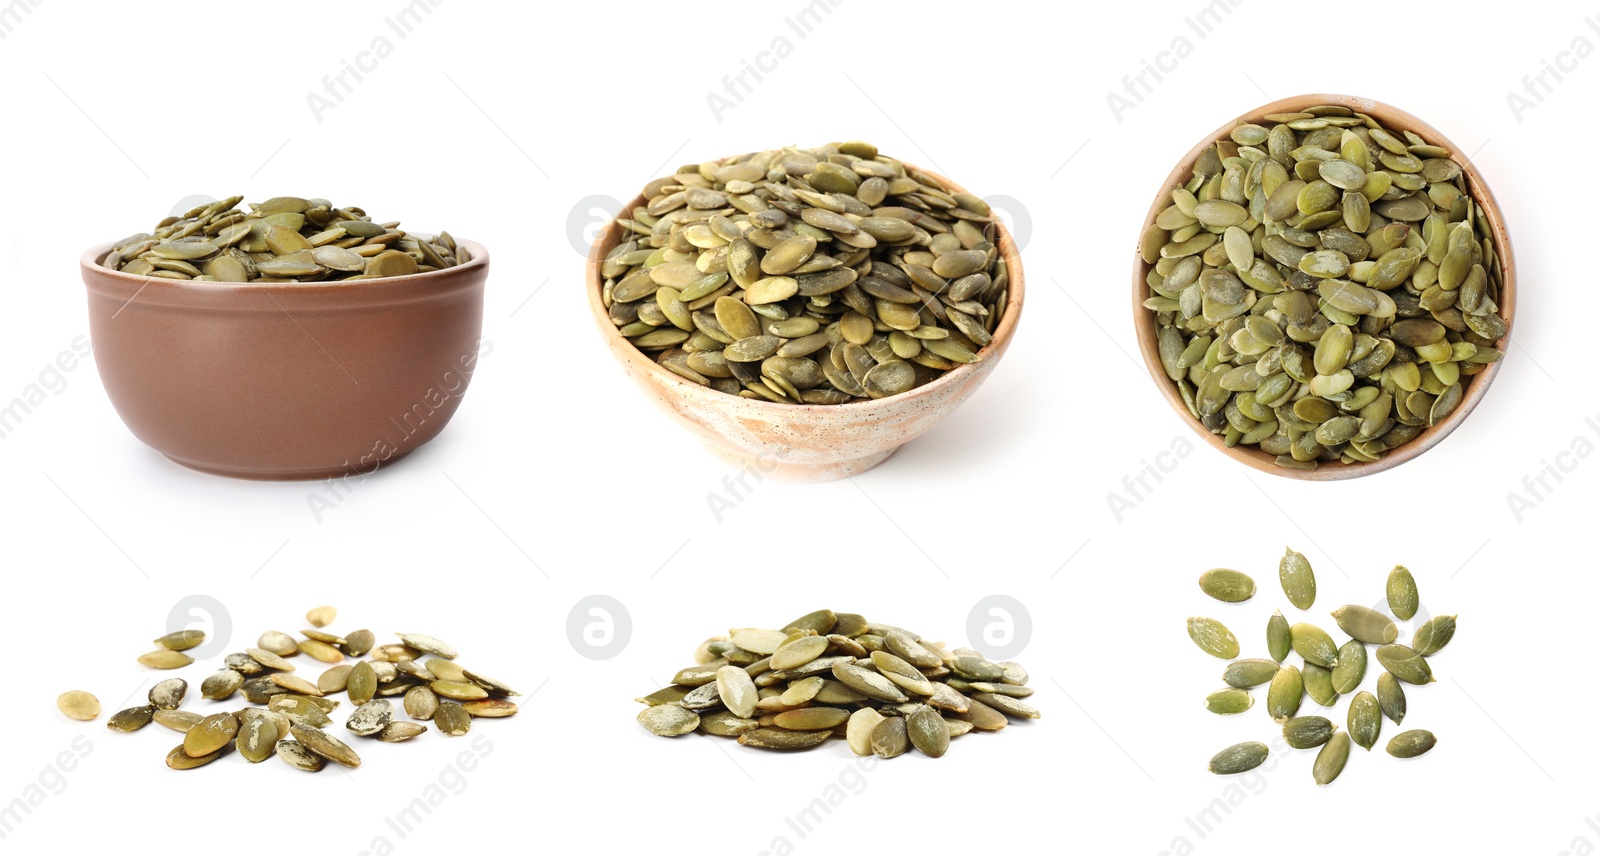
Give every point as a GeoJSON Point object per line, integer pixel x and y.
{"type": "Point", "coordinates": [1472, 364]}
{"type": "Point", "coordinates": [794, 441]}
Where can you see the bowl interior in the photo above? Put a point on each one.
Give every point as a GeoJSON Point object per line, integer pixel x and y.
{"type": "Point", "coordinates": [1390, 117]}
{"type": "Point", "coordinates": [614, 233]}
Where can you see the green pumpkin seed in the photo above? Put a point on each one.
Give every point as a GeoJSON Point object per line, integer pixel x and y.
{"type": "Point", "coordinates": [453, 720]}
{"type": "Point", "coordinates": [927, 731]}
{"type": "Point", "coordinates": [296, 755]}
{"type": "Point", "coordinates": [1406, 664]}
{"type": "Point", "coordinates": [1307, 732]}
{"type": "Point", "coordinates": [1402, 592]}
{"type": "Point", "coordinates": [1214, 638]}
{"type": "Point", "coordinates": [1227, 585]}
{"type": "Point", "coordinates": [1331, 760]}
{"type": "Point", "coordinates": [1246, 674]}
{"type": "Point", "coordinates": [1434, 634]}
{"type": "Point", "coordinates": [1299, 583]}
{"type": "Point", "coordinates": [891, 738]}
{"type": "Point", "coordinates": [1365, 720]}
{"type": "Point", "coordinates": [1239, 758]}
{"type": "Point", "coordinates": [1411, 744]}
{"type": "Point", "coordinates": [1285, 693]}
{"type": "Point", "coordinates": [181, 640]}
{"type": "Point", "coordinates": [1314, 644]}
{"type": "Point", "coordinates": [1365, 624]}
{"type": "Point", "coordinates": [320, 743]}
{"type": "Point", "coordinates": [168, 694]}
{"type": "Point", "coordinates": [1352, 667]}
{"type": "Point", "coordinates": [165, 659]}
{"type": "Point", "coordinates": [1391, 698]}
{"type": "Point", "coordinates": [1229, 702]}
{"type": "Point", "coordinates": [1318, 682]}
{"type": "Point", "coordinates": [781, 740]}
{"type": "Point", "coordinates": [131, 719]}
{"type": "Point", "coordinates": [1280, 640]}
{"type": "Point", "coordinates": [210, 734]}
{"type": "Point", "coordinates": [179, 759]}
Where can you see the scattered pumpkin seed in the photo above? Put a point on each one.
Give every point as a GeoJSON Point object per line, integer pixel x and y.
{"type": "Point", "coordinates": [1307, 732]}
{"type": "Point", "coordinates": [1245, 674]}
{"type": "Point", "coordinates": [1331, 760]}
{"type": "Point", "coordinates": [1365, 720]}
{"type": "Point", "coordinates": [221, 684]}
{"type": "Point", "coordinates": [1402, 592]}
{"type": "Point", "coordinates": [1229, 701]}
{"type": "Point", "coordinates": [1280, 640]}
{"type": "Point", "coordinates": [1410, 744]}
{"type": "Point", "coordinates": [1434, 634]}
{"type": "Point", "coordinates": [182, 640]}
{"type": "Point", "coordinates": [168, 694]}
{"type": "Point", "coordinates": [1366, 624]}
{"type": "Point", "coordinates": [453, 719]}
{"type": "Point", "coordinates": [180, 759]}
{"type": "Point", "coordinates": [1314, 644]}
{"type": "Point", "coordinates": [210, 734]}
{"type": "Point", "coordinates": [79, 705]}
{"type": "Point", "coordinates": [131, 719]}
{"type": "Point", "coordinates": [1214, 638]}
{"type": "Point", "coordinates": [1406, 664]}
{"type": "Point", "coordinates": [1285, 693]}
{"type": "Point", "coordinates": [321, 743]}
{"type": "Point", "coordinates": [165, 659]}
{"type": "Point", "coordinates": [1228, 586]}
{"type": "Point", "coordinates": [401, 731]}
{"type": "Point", "coordinates": [1351, 668]}
{"type": "Point", "coordinates": [1239, 758]}
{"type": "Point", "coordinates": [296, 755]}
{"type": "Point", "coordinates": [1299, 583]}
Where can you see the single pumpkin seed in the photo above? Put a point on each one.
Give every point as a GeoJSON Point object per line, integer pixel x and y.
{"type": "Point", "coordinates": [1331, 759]}
{"type": "Point", "coordinates": [1406, 664]}
{"type": "Point", "coordinates": [1365, 720]}
{"type": "Point", "coordinates": [1411, 744]}
{"type": "Point", "coordinates": [1434, 634]}
{"type": "Point", "coordinates": [1365, 624]}
{"type": "Point", "coordinates": [1307, 732]}
{"type": "Point", "coordinates": [1402, 593]}
{"type": "Point", "coordinates": [1214, 638]}
{"type": "Point", "coordinates": [79, 705]}
{"type": "Point", "coordinates": [1299, 583]}
{"type": "Point", "coordinates": [1228, 586]}
{"type": "Point", "coordinates": [1229, 702]}
{"type": "Point", "coordinates": [1314, 644]}
{"type": "Point", "coordinates": [1239, 758]}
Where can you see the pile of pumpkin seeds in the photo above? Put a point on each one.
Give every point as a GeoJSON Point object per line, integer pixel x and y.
{"type": "Point", "coordinates": [1327, 670]}
{"type": "Point", "coordinates": [815, 276]}
{"type": "Point", "coordinates": [286, 239]}
{"type": "Point", "coordinates": [882, 688]}
{"type": "Point", "coordinates": [1324, 287]}
{"type": "Point", "coordinates": [289, 713]}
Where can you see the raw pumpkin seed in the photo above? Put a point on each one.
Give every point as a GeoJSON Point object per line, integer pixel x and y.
{"type": "Point", "coordinates": [221, 684]}
{"type": "Point", "coordinates": [319, 742]}
{"type": "Point", "coordinates": [257, 740]}
{"type": "Point", "coordinates": [1319, 684]}
{"type": "Point", "coordinates": [1285, 693]}
{"type": "Point", "coordinates": [1352, 667]}
{"type": "Point", "coordinates": [1245, 674]}
{"type": "Point", "coordinates": [1228, 586]}
{"type": "Point", "coordinates": [278, 643]}
{"type": "Point", "coordinates": [210, 734]}
{"type": "Point", "coordinates": [1280, 640]}
{"type": "Point", "coordinates": [1365, 624]}
{"type": "Point", "coordinates": [131, 719]}
{"type": "Point", "coordinates": [1406, 664]}
{"type": "Point", "coordinates": [165, 659]}
{"type": "Point", "coordinates": [823, 287]}
{"type": "Point", "coordinates": [1365, 720]}
{"type": "Point", "coordinates": [1314, 644]}
{"type": "Point", "coordinates": [1331, 760]}
{"type": "Point", "coordinates": [1434, 634]}
{"type": "Point", "coordinates": [1307, 732]}
{"type": "Point", "coordinates": [79, 705]}
{"type": "Point", "coordinates": [1214, 638]}
{"type": "Point", "coordinates": [180, 759]}
{"type": "Point", "coordinates": [182, 640]}
{"type": "Point", "coordinates": [285, 239]}
{"type": "Point", "coordinates": [782, 740]}
{"type": "Point", "coordinates": [296, 755]}
{"type": "Point", "coordinates": [177, 720]}
{"type": "Point", "coordinates": [1325, 268]}
{"type": "Point", "coordinates": [1410, 744]}
{"type": "Point", "coordinates": [453, 719]}
{"type": "Point", "coordinates": [1239, 758]}
{"type": "Point", "coordinates": [168, 694]}
{"type": "Point", "coordinates": [1229, 701]}
{"type": "Point", "coordinates": [1299, 583]}
{"type": "Point", "coordinates": [1402, 593]}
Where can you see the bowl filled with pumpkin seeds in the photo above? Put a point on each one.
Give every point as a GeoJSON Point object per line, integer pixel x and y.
{"type": "Point", "coordinates": [287, 339]}
{"type": "Point", "coordinates": [1324, 287]}
{"type": "Point", "coordinates": [806, 311]}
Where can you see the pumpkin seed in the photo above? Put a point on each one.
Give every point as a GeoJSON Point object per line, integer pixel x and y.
{"type": "Point", "coordinates": [1227, 585]}
{"type": "Point", "coordinates": [362, 684]}
{"type": "Point", "coordinates": [359, 642]}
{"type": "Point", "coordinates": [490, 708]}
{"type": "Point", "coordinates": [1314, 644]}
{"type": "Point", "coordinates": [1245, 674]}
{"type": "Point", "coordinates": [79, 705]}
{"type": "Point", "coordinates": [453, 719]}
{"type": "Point", "coordinates": [1434, 634]}
{"type": "Point", "coordinates": [1351, 668]}
{"type": "Point", "coordinates": [1279, 638]}
{"type": "Point", "coordinates": [1390, 259]}
{"type": "Point", "coordinates": [1331, 760]}
{"type": "Point", "coordinates": [1214, 638]}
{"type": "Point", "coordinates": [1307, 732]}
{"type": "Point", "coordinates": [738, 691]}
{"type": "Point", "coordinates": [165, 659]}
{"type": "Point", "coordinates": [278, 643]}
{"type": "Point", "coordinates": [928, 732]}
{"type": "Point", "coordinates": [177, 720]}
{"type": "Point", "coordinates": [168, 694]}
{"type": "Point", "coordinates": [1365, 720]}
{"type": "Point", "coordinates": [1239, 758]}
{"type": "Point", "coordinates": [783, 740]}
{"type": "Point", "coordinates": [321, 743]}
{"type": "Point", "coordinates": [1406, 664]}
{"type": "Point", "coordinates": [1365, 624]}
{"type": "Point", "coordinates": [1410, 744]}
{"type": "Point", "coordinates": [182, 640]}
{"type": "Point", "coordinates": [1319, 684]}
{"type": "Point", "coordinates": [257, 740]}
{"type": "Point", "coordinates": [1285, 693]}
{"type": "Point", "coordinates": [335, 680]}
{"type": "Point", "coordinates": [1229, 702]}
{"type": "Point", "coordinates": [296, 755]}
{"type": "Point", "coordinates": [221, 684]}
{"type": "Point", "coordinates": [269, 660]}
{"type": "Point", "coordinates": [210, 734]}
{"type": "Point", "coordinates": [180, 759]}
{"type": "Point", "coordinates": [131, 719]}
{"type": "Point", "coordinates": [370, 718]}
{"type": "Point", "coordinates": [891, 738]}
{"type": "Point", "coordinates": [1299, 583]}
{"type": "Point", "coordinates": [1402, 592]}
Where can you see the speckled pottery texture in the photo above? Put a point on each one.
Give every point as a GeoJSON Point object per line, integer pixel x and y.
{"type": "Point", "coordinates": [804, 442]}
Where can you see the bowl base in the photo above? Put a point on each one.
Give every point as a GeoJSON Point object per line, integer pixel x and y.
{"type": "Point", "coordinates": [777, 469]}
{"type": "Point", "coordinates": [312, 474]}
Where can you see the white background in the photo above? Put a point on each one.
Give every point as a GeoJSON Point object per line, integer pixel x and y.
{"type": "Point", "coordinates": [557, 481]}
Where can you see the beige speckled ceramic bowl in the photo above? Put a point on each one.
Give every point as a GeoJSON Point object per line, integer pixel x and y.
{"type": "Point", "coordinates": [803, 442]}
{"type": "Point", "coordinates": [1392, 117]}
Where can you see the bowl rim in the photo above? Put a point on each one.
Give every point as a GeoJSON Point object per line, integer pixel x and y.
{"type": "Point", "coordinates": [90, 263]}
{"type": "Point", "coordinates": [1477, 188]}
{"type": "Point", "coordinates": [611, 234]}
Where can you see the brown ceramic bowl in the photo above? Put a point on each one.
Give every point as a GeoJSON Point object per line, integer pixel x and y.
{"type": "Point", "coordinates": [1391, 117]}
{"type": "Point", "coordinates": [286, 381]}
{"type": "Point", "coordinates": [804, 442]}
